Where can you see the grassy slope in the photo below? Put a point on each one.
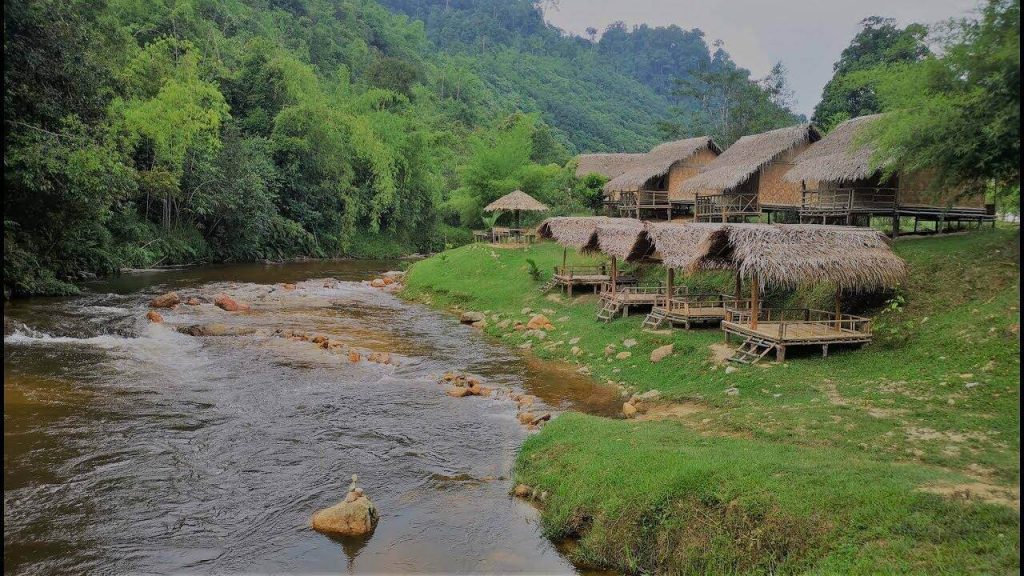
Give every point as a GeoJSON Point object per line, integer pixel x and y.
{"type": "Point", "coordinates": [815, 466]}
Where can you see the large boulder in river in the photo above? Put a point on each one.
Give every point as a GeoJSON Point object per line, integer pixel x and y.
{"type": "Point", "coordinates": [225, 302]}
{"type": "Point", "coordinates": [168, 300]}
{"type": "Point", "coordinates": [354, 516]}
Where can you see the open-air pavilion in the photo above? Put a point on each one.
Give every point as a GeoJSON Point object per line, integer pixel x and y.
{"type": "Point", "coordinates": [578, 233]}
{"type": "Point", "coordinates": [790, 256]}
{"type": "Point", "coordinates": [677, 246]}
{"type": "Point", "coordinates": [516, 202]}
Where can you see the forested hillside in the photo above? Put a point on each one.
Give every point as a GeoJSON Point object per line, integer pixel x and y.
{"type": "Point", "coordinates": [141, 134]}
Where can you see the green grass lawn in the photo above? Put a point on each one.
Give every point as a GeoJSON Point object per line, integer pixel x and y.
{"type": "Point", "coordinates": [817, 465]}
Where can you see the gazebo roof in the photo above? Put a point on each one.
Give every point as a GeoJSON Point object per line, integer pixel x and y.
{"type": "Point", "coordinates": [517, 200]}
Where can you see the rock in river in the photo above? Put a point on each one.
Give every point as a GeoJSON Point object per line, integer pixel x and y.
{"type": "Point", "coordinates": [225, 302]}
{"type": "Point", "coordinates": [168, 300]}
{"type": "Point", "coordinates": [354, 516]}
{"type": "Point", "coordinates": [154, 317]}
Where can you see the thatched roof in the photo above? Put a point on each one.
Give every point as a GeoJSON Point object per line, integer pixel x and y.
{"type": "Point", "coordinates": [658, 162]}
{"type": "Point", "coordinates": [786, 255]}
{"type": "Point", "coordinates": [607, 165]}
{"type": "Point", "coordinates": [838, 157]}
{"type": "Point", "coordinates": [792, 255]}
{"type": "Point", "coordinates": [624, 238]}
{"type": "Point", "coordinates": [680, 245]}
{"type": "Point", "coordinates": [572, 231]}
{"type": "Point", "coordinates": [741, 160]}
{"type": "Point", "coordinates": [517, 200]}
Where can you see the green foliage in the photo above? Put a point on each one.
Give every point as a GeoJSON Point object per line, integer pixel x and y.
{"type": "Point", "coordinates": [817, 465]}
{"type": "Point", "coordinates": [957, 115]}
{"type": "Point", "coordinates": [879, 42]}
{"type": "Point", "coordinates": [722, 101]}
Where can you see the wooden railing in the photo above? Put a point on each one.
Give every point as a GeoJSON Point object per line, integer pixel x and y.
{"type": "Point", "coordinates": [787, 318]}
{"type": "Point", "coordinates": [720, 207]}
{"type": "Point", "coordinates": [843, 200]}
{"type": "Point", "coordinates": [640, 199]}
{"type": "Point", "coordinates": [574, 270]}
{"type": "Point", "coordinates": [660, 290]}
{"type": "Point", "coordinates": [685, 301]}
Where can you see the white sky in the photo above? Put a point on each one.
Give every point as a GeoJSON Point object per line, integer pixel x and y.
{"type": "Point", "coordinates": [806, 36]}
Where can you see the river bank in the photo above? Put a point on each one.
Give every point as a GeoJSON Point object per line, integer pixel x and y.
{"type": "Point", "coordinates": [133, 447]}
{"type": "Point", "coordinates": [902, 457]}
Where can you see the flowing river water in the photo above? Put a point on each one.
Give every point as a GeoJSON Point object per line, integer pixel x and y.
{"type": "Point", "coordinates": [130, 447]}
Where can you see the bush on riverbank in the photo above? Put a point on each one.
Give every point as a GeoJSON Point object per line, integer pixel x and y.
{"type": "Point", "coordinates": [823, 459]}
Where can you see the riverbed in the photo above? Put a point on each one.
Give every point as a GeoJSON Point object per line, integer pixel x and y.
{"type": "Point", "coordinates": [131, 447]}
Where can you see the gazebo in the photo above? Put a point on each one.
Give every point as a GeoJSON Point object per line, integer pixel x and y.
{"type": "Point", "coordinates": [516, 202]}
{"type": "Point", "coordinates": [790, 256]}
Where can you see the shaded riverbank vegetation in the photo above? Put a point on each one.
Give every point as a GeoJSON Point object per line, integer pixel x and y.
{"type": "Point", "coordinates": [901, 457]}
{"type": "Point", "coordinates": [141, 134]}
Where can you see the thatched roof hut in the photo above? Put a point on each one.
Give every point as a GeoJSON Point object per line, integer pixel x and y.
{"type": "Point", "coordinates": [658, 162]}
{"type": "Point", "coordinates": [607, 165]}
{"type": "Point", "coordinates": [516, 201]}
{"type": "Point", "coordinates": [838, 157]}
{"type": "Point", "coordinates": [790, 255]}
{"type": "Point", "coordinates": [748, 155]}
{"type": "Point", "coordinates": [785, 255]}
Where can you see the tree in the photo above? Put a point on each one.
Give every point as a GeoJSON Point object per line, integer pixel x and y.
{"type": "Point", "coordinates": [879, 42]}
{"type": "Point", "coordinates": [722, 101]}
{"type": "Point", "coordinates": [957, 114]}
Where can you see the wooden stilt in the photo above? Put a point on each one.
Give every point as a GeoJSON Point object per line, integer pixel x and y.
{"type": "Point", "coordinates": [615, 273]}
{"type": "Point", "coordinates": [755, 304]}
{"type": "Point", "coordinates": [839, 310]}
{"type": "Point", "coordinates": [739, 287]}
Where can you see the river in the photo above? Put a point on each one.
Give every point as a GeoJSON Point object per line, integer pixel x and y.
{"type": "Point", "coordinates": [130, 447]}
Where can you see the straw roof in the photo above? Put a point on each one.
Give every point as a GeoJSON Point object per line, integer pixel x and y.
{"type": "Point", "coordinates": [517, 200]}
{"type": "Point", "coordinates": [741, 160]}
{"type": "Point", "coordinates": [681, 245]}
{"type": "Point", "coordinates": [785, 255]}
{"type": "Point", "coordinates": [792, 255]}
{"type": "Point", "coordinates": [572, 231]}
{"type": "Point", "coordinates": [624, 238]}
{"type": "Point", "coordinates": [607, 165]}
{"type": "Point", "coordinates": [838, 157]}
{"type": "Point", "coordinates": [658, 162]}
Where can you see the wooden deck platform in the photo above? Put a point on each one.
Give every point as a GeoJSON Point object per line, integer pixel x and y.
{"type": "Point", "coordinates": [698, 308]}
{"type": "Point", "coordinates": [780, 328]}
{"type": "Point", "coordinates": [570, 277]}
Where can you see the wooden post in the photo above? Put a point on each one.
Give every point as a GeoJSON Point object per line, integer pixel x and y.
{"type": "Point", "coordinates": [895, 225]}
{"type": "Point", "coordinates": [671, 284]}
{"type": "Point", "coordinates": [739, 287]}
{"type": "Point", "coordinates": [615, 273]}
{"type": "Point", "coordinates": [839, 310]}
{"type": "Point", "coordinates": [755, 304]}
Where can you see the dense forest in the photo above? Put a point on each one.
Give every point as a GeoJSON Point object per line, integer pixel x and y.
{"type": "Point", "coordinates": [141, 133]}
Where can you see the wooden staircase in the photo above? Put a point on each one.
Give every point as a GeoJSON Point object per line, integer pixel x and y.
{"type": "Point", "coordinates": [609, 309]}
{"type": "Point", "coordinates": [547, 286]}
{"type": "Point", "coordinates": [653, 320]}
{"type": "Point", "coordinates": [751, 350]}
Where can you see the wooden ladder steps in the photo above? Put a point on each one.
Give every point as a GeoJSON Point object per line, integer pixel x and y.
{"type": "Point", "coordinates": [609, 309]}
{"type": "Point", "coordinates": [751, 350]}
{"type": "Point", "coordinates": [653, 320]}
{"type": "Point", "coordinates": [547, 286]}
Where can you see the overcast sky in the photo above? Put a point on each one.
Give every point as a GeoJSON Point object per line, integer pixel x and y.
{"type": "Point", "coordinates": [806, 36]}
